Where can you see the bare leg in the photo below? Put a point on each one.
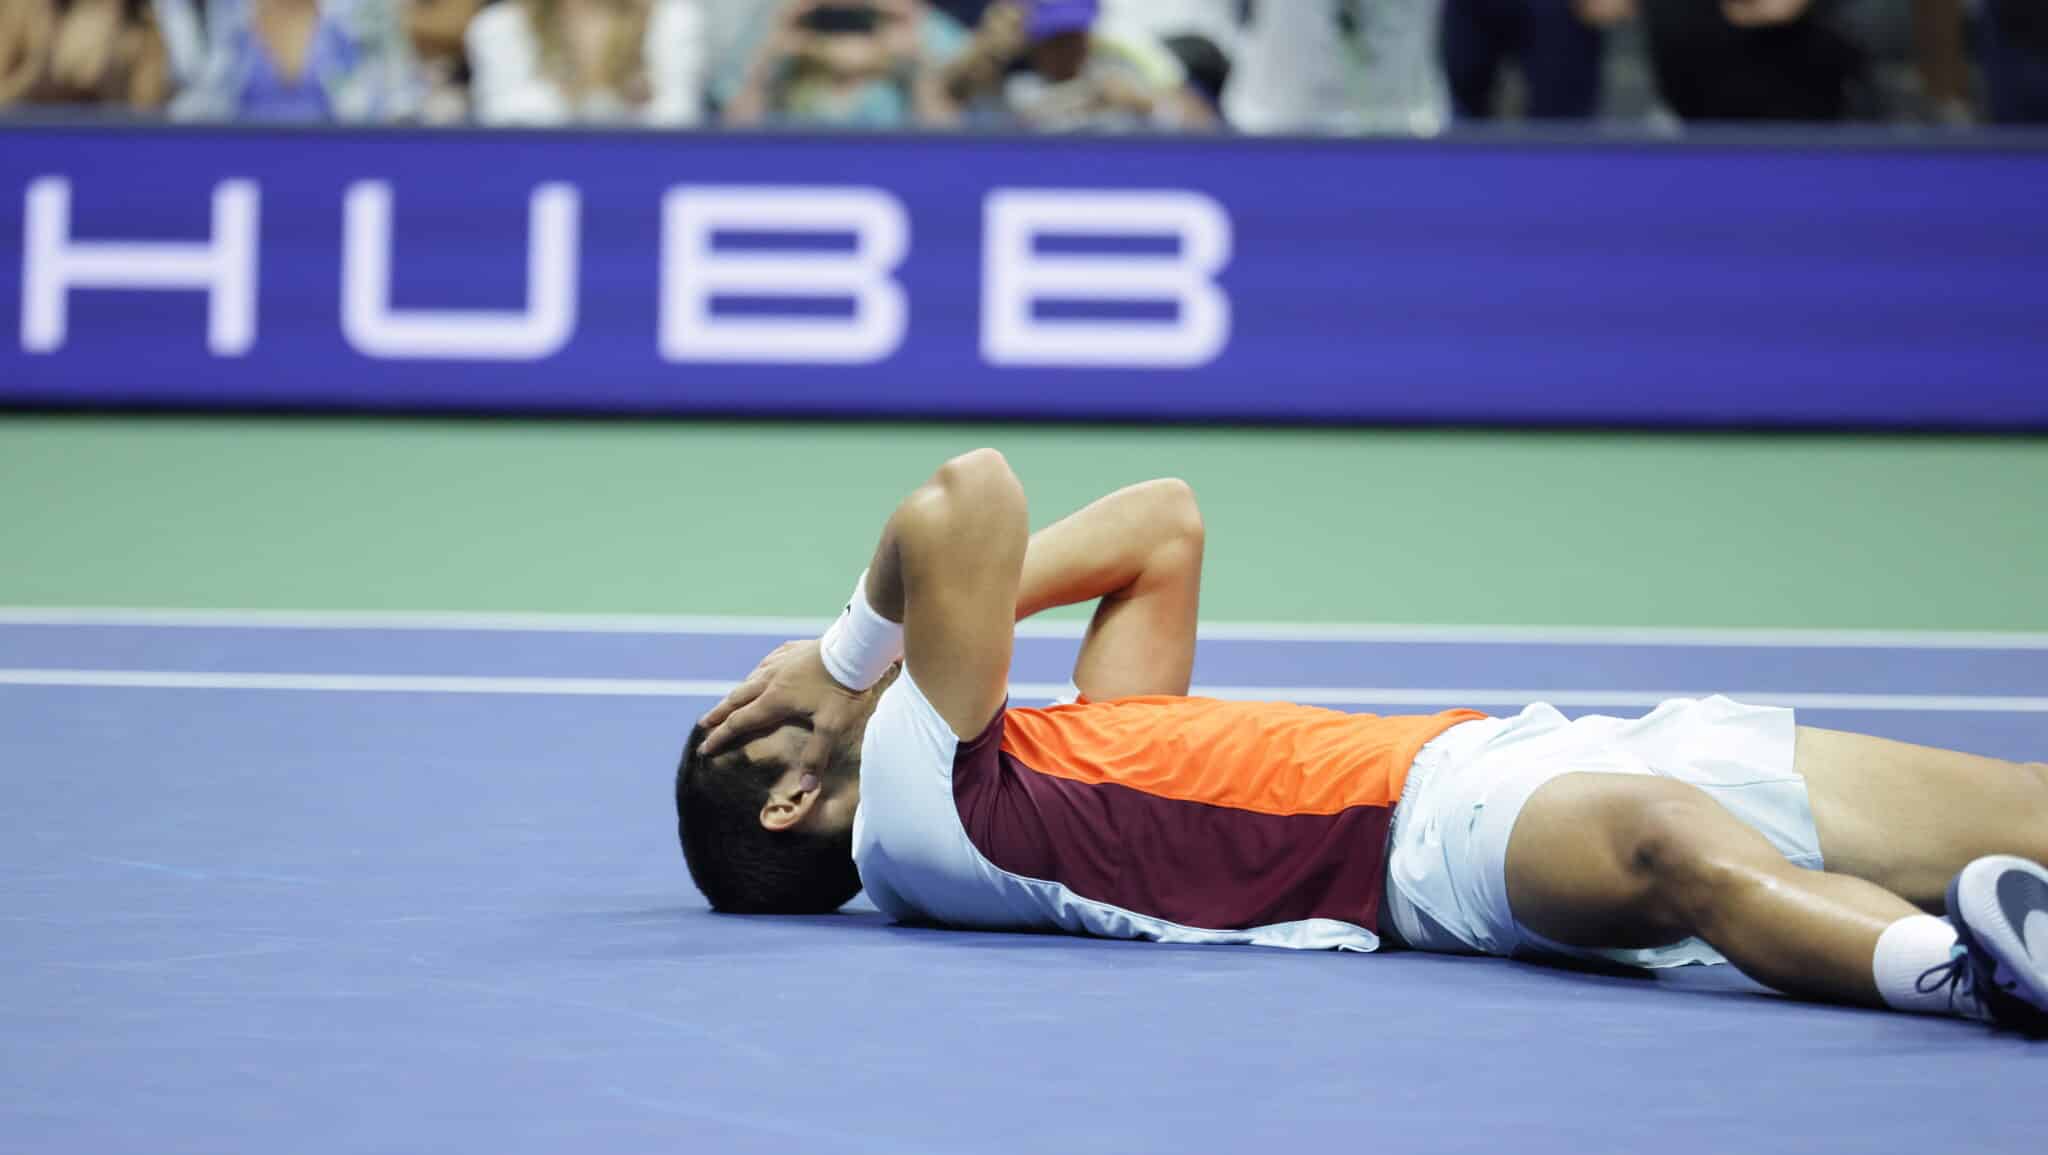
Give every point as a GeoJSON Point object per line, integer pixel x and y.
{"type": "Point", "coordinates": [1909, 817]}
{"type": "Point", "coordinates": [1620, 860]}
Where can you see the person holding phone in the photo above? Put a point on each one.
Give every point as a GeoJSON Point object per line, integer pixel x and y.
{"type": "Point", "coordinates": [850, 63]}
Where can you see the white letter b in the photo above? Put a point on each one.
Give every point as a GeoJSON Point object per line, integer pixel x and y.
{"type": "Point", "coordinates": [694, 272]}
{"type": "Point", "coordinates": [1016, 278]}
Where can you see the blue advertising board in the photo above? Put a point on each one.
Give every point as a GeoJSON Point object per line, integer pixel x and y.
{"type": "Point", "coordinates": [959, 276]}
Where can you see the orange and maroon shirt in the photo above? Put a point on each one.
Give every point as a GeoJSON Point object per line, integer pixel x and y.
{"type": "Point", "coordinates": [1170, 818]}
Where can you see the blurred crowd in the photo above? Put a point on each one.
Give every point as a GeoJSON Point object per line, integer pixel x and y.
{"type": "Point", "coordinates": [1043, 65]}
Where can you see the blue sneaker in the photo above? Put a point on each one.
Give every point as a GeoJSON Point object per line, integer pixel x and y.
{"type": "Point", "coordinates": [1999, 905]}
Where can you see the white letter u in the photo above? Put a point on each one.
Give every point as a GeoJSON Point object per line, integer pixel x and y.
{"type": "Point", "coordinates": [539, 330]}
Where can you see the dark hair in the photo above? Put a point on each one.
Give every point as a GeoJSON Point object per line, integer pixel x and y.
{"type": "Point", "coordinates": [742, 866]}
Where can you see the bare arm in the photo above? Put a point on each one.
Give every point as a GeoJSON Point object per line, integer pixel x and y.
{"type": "Point", "coordinates": [948, 567]}
{"type": "Point", "coordinates": [931, 105]}
{"type": "Point", "coordinates": [755, 100]}
{"type": "Point", "coordinates": [25, 31]}
{"type": "Point", "coordinates": [1139, 550]}
{"type": "Point", "coordinates": [978, 71]}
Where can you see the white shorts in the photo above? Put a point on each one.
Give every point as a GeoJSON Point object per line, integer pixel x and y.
{"type": "Point", "coordinates": [1447, 884]}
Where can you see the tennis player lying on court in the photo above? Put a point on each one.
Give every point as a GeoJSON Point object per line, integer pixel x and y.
{"type": "Point", "coordinates": [1707, 830]}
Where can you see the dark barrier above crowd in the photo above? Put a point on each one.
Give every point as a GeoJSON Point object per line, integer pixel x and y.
{"type": "Point", "coordinates": [959, 276]}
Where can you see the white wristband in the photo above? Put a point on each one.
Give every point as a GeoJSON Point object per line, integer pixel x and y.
{"type": "Point", "coordinates": [861, 645]}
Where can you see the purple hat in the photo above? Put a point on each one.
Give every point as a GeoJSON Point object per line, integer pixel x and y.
{"type": "Point", "coordinates": [1053, 17]}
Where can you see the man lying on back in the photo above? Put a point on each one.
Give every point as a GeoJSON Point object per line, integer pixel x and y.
{"type": "Point", "coordinates": [883, 756]}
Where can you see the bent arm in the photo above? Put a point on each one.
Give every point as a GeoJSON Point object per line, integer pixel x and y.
{"type": "Point", "coordinates": [948, 568]}
{"type": "Point", "coordinates": [1139, 550]}
{"type": "Point", "coordinates": [956, 566]}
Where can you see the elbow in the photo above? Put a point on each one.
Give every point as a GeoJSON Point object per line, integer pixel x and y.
{"type": "Point", "coordinates": [976, 488]}
{"type": "Point", "coordinates": [1174, 533]}
{"type": "Point", "coordinates": [985, 462]}
{"type": "Point", "coordinates": [980, 480]}
{"type": "Point", "coordinates": [1178, 511]}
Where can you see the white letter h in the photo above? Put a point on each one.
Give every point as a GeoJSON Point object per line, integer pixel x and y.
{"type": "Point", "coordinates": [53, 264]}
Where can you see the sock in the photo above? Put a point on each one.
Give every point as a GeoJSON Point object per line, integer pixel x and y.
{"type": "Point", "coordinates": [1907, 950]}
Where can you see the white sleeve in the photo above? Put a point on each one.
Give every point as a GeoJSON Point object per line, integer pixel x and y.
{"type": "Point", "coordinates": [906, 833]}
{"type": "Point", "coordinates": [675, 63]}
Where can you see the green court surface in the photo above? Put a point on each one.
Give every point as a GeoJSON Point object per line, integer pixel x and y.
{"type": "Point", "coordinates": [1472, 527]}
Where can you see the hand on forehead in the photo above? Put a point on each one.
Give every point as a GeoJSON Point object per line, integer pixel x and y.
{"type": "Point", "coordinates": [790, 690]}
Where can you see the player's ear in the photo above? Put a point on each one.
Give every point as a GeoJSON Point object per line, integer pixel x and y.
{"type": "Point", "coordinates": [790, 800]}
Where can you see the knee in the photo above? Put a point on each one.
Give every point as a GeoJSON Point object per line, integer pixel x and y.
{"type": "Point", "coordinates": [1687, 882]}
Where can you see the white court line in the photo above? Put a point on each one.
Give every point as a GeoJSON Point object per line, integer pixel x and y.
{"type": "Point", "coordinates": [702, 624]}
{"type": "Point", "coordinates": [1036, 691]}
{"type": "Point", "coordinates": [367, 683]}
{"type": "Point", "coordinates": [416, 620]}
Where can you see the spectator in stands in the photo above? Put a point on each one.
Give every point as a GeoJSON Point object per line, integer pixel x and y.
{"type": "Point", "coordinates": [183, 25]}
{"type": "Point", "coordinates": [82, 52]}
{"type": "Point", "coordinates": [303, 60]}
{"type": "Point", "coordinates": [437, 28]}
{"type": "Point", "coordinates": [1080, 72]}
{"type": "Point", "coordinates": [1337, 66]}
{"type": "Point", "coordinates": [2014, 35]}
{"type": "Point", "coordinates": [974, 78]}
{"type": "Point", "coordinates": [1941, 64]}
{"type": "Point", "coordinates": [1557, 45]}
{"type": "Point", "coordinates": [24, 47]}
{"type": "Point", "coordinates": [1201, 34]}
{"type": "Point", "coordinates": [555, 61]}
{"type": "Point", "coordinates": [850, 63]}
{"type": "Point", "coordinates": [1759, 59]}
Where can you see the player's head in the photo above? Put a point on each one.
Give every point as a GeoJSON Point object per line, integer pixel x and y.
{"type": "Point", "coordinates": [761, 837]}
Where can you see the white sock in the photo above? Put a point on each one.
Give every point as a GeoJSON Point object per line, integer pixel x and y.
{"type": "Point", "coordinates": [1907, 950]}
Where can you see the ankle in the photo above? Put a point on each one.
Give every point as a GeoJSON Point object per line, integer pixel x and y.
{"type": "Point", "coordinates": [1917, 969]}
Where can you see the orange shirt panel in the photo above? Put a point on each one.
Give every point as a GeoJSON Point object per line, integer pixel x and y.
{"type": "Point", "coordinates": [1264, 757]}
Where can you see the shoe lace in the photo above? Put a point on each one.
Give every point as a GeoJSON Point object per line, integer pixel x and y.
{"type": "Point", "coordinates": [1951, 978]}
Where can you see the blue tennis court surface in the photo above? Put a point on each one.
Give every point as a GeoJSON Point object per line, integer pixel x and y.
{"type": "Point", "coordinates": [354, 884]}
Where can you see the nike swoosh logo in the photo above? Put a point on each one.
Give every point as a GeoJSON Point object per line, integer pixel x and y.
{"type": "Point", "coordinates": [2023, 900]}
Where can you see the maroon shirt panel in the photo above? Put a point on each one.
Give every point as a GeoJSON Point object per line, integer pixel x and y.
{"type": "Point", "coordinates": [1199, 865]}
